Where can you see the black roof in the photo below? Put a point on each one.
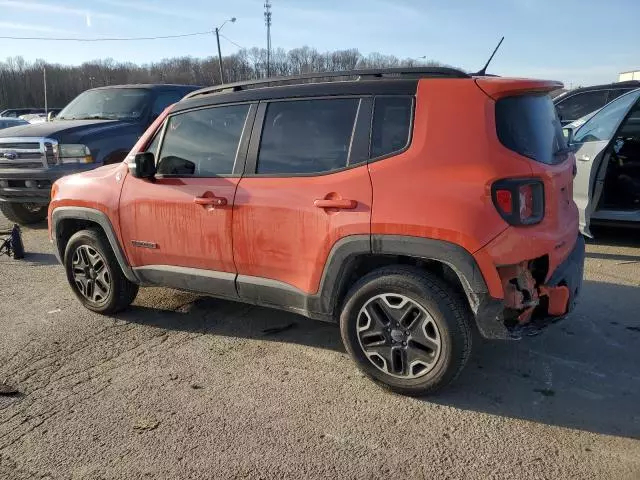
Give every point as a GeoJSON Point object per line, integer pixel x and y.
{"type": "Point", "coordinates": [367, 87]}
{"type": "Point", "coordinates": [388, 81]}
{"type": "Point", "coordinates": [320, 77]}
{"type": "Point", "coordinates": [152, 86]}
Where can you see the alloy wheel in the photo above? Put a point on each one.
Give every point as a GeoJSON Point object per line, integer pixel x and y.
{"type": "Point", "coordinates": [91, 274]}
{"type": "Point", "coordinates": [398, 336]}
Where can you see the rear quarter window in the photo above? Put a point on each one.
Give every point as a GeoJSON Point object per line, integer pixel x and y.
{"type": "Point", "coordinates": [529, 126]}
{"type": "Point", "coordinates": [391, 129]}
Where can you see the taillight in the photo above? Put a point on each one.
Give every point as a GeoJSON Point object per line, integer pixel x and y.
{"type": "Point", "coordinates": [519, 201]}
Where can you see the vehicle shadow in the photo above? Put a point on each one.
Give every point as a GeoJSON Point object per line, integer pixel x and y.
{"type": "Point", "coordinates": [194, 313]}
{"type": "Point", "coordinates": [35, 258]}
{"type": "Point", "coordinates": [581, 373]}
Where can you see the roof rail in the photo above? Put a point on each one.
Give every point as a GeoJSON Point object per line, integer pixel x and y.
{"type": "Point", "coordinates": [437, 72]}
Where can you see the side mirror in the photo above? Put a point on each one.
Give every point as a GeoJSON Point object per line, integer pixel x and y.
{"type": "Point", "coordinates": [144, 165]}
{"type": "Point", "coordinates": [50, 116]}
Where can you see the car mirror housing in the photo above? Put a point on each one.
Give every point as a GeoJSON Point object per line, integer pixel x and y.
{"type": "Point", "coordinates": [144, 165]}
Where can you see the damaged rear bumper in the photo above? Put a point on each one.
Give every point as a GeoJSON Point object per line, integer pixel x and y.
{"type": "Point", "coordinates": [530, 305]}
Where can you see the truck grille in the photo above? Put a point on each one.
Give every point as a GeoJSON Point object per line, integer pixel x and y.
{"type": "Point", "coordinates": [27, 152]}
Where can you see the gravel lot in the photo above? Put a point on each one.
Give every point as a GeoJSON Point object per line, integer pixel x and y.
{"type": "Point", "coordinates": [182, 386]}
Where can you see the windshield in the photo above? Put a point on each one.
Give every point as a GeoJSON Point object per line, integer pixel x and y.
{"type": "Point", "coordinates": [529, 125]}
{"type": "Point", "coordinates": [107, 104]}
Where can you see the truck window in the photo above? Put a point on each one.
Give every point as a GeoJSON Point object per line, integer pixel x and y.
{"type": "Point", "coordinates": [164, 99]}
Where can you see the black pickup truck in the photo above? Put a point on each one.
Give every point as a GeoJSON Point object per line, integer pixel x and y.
{"type": "Point", "coordinates": [98, 127]}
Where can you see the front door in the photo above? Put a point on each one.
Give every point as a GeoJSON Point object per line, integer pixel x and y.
{"type": "Point", "coordinates": [591, 143]}
{"type": "Point", "coordinates": [305, 187]}
{"type": "Point", "coordinates": [177, 228]}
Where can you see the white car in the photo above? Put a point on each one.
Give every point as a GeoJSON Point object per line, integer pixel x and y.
{"type": "Point", "coordinates": [34, 117]}
{"type": "Point", "coordinates": [607, 147]}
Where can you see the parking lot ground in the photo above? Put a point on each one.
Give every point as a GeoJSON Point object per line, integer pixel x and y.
{"type": "Point", "coordinates": [183, 386]}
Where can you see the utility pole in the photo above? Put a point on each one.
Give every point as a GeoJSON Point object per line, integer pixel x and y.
{"type": "Point", "coordinates": [232, 20]}
{"type": "Point", "coordinates": [267, 21]}
{"type": "Point", "coordinates": [44, 78]}
{"type": "Point", "coordinates": [219, 55]}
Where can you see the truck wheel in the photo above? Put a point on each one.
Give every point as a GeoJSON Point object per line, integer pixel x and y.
{"type": "Point", "coordinates": [24, 213]}
{"type": "Point", "coordinates": [95, 275]}
{"type": "Point", "coordinates": [406, 329]}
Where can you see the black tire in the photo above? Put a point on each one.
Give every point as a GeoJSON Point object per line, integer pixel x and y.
{"type": "Point", "coordinates": [447, 310]}
{"type": "Point", "coordinates": [24, 213]}
{"type": "Point", "coordinates": [121, 292]}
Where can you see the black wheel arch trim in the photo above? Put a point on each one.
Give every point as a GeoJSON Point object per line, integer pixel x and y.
{"type": "Point", "coordinates": [94, 216]}
{"type": "Point", "coordinates": [450, 254]}
{"type": "Point", "coordinates": [345, 253]}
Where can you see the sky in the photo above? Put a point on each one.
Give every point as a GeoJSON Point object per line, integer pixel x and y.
{"type": "Point", "coordinates": [579, 42]}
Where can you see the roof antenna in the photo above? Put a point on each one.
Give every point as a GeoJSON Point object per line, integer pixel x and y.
{"type": "Point", "coordinates": [482, 72]}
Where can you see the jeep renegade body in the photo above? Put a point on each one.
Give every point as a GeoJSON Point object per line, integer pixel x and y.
{"type": "Point", "coordinates": [97, 128]}
{"type": "Point", "coordinates": [407, 204]}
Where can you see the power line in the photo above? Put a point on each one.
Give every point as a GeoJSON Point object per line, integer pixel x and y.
{"type": "Point", "coordinates": [112, 39]}
{"type": "Point", "coordinates": [231, 41]}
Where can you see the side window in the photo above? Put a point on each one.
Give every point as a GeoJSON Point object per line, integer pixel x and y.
{"type": "Point", "coordinates": [615, 93]}
{"type": "Point", "coordinates": [164, 99]}
{"type": "Point", "coordinates": [202, 142]}
{"type": "Point", "coordinates": [307, 136]}
{"type": "Point", "coordinates": [391, 125]}
{"type": "Point", "coordinates": [580, 104]}
{"type": "Point", "coordinates": [603, 124]}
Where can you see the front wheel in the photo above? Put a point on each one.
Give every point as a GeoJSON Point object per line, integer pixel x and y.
{"type": "Point", "coordinates": [95, 275]}
{"type": "Point", "coordinates": [406, 329]}
{"type": "Point", "coordinates": [24, 213]}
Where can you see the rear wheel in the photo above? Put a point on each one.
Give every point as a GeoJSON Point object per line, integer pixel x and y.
{"type": "Point", "coordinates": [24, 213]}
{"type": "Point", "coordinates": [406, 329]}
{"type": "Point", "coordinates": [95, 275]}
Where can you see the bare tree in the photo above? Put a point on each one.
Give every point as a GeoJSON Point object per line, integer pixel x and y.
{"type": "Point", "coordinates": [22, 85]}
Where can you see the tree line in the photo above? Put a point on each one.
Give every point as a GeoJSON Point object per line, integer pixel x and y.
{"type": "Point", "coordinates": [22, 82]}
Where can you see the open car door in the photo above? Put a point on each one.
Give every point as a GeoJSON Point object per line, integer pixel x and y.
{"type": "Point", "coordinates": [591, 142]}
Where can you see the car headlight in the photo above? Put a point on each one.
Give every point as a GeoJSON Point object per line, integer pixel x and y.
{"type": "Point", "coordinates": [74, 153]}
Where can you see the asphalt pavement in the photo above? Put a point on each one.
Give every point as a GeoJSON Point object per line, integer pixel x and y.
{"type": "Point", "coordinates": [184, 386]}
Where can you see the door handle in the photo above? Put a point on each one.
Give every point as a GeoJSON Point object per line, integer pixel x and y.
{"type": "Point", "coordinates": [337, 203]}
{"type": "Point", "coordinates": [210, 201]}
{"type": "Point", "coordinates": [584, 158]}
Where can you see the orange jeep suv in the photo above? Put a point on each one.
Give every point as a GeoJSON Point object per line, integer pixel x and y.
{"type": "Point", "coordinates": [406, 204]}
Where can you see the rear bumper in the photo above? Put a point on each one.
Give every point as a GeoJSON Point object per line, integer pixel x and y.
{"type": "Point", "coordinates": [549, 303]}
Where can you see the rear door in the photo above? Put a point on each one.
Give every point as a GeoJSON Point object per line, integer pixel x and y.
{"type": "Point", "coordinates": [305, 186]}
{"type": "Point", "coordinates": [591, 142]}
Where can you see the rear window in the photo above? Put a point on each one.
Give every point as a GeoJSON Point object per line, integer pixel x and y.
{"type": "Point", "coordinates": [528, 125]}
{"type": "Point", "coordinates": [391, 125]}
